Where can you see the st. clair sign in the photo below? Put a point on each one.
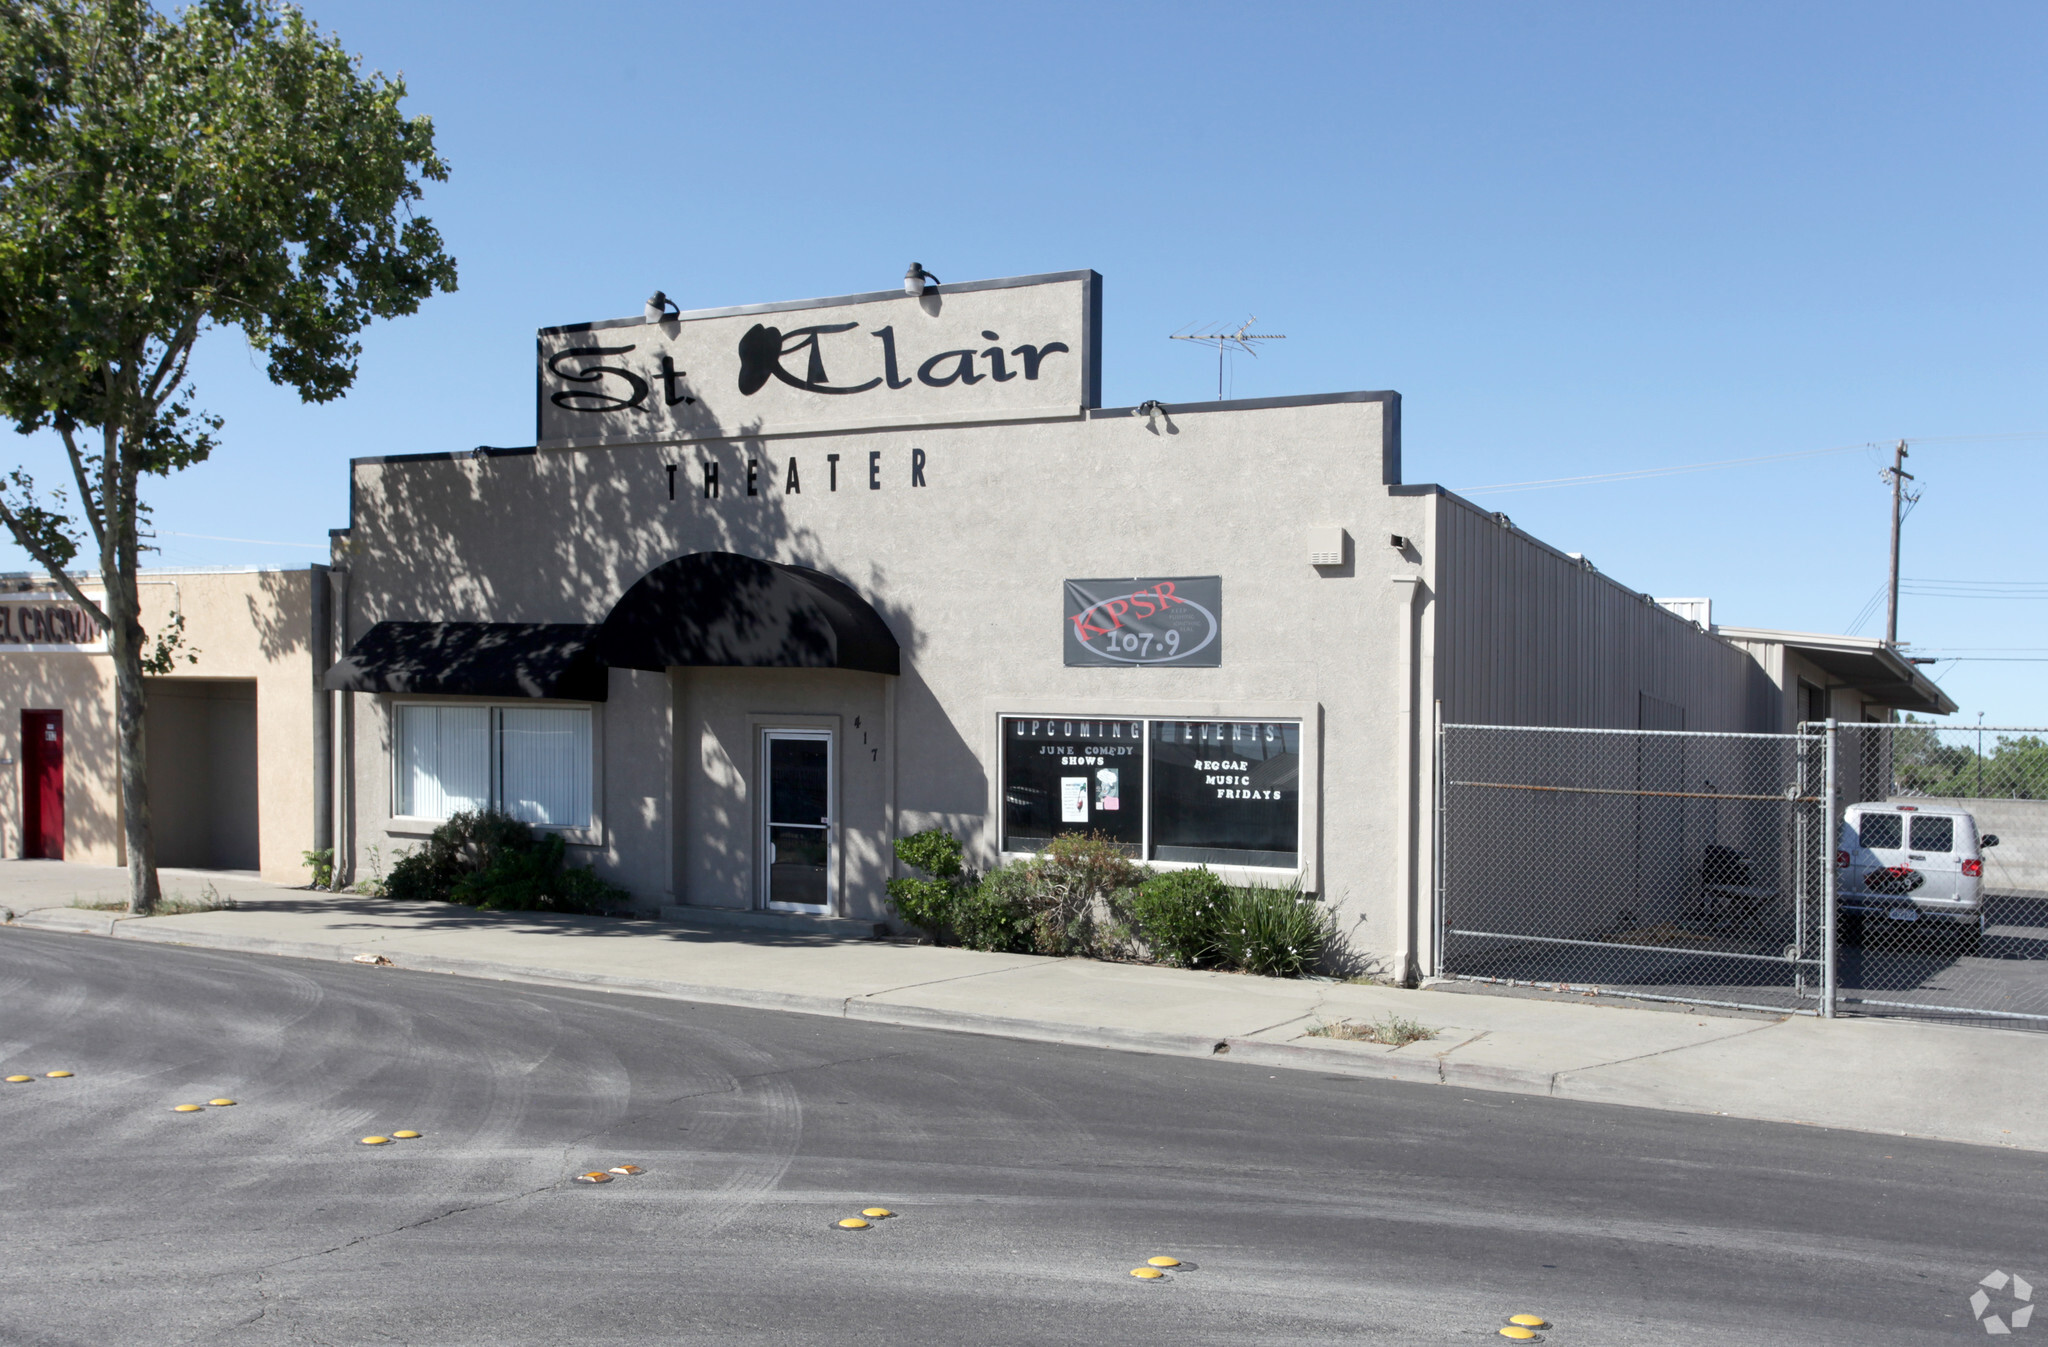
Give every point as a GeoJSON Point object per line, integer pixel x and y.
{"type": "Point", "coordinates": [36, 624]}
{"type": "Point", "coordinates": [1017, 349]}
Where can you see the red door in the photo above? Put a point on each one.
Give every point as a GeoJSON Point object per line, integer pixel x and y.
{"type": "Point", "coordinates": [42, 785]}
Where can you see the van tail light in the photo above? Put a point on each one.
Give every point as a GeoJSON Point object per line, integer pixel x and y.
{"type": "Point", "coordinates": [1841, 860]}
{"type": "Point", "coordinates": [1973, 869]}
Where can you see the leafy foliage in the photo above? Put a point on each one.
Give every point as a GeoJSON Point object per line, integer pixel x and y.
{"type": "Point", "coordinates": [1181, 915]}
{"type": "Point", "coordinates": [1076, 895]}
{"type": "Point", "coordinates": [996, 914]}
{"type": "Point", "coordinates": [1943, 761]}
{"type": "Point", "coordinates": [161, 176]}
{"type": "Point", "coordinates": [321, 863]}
{"type": "Point", "coordinates": [1084, 896]}
{"type": "Point", "coordinates": [936, 853]}
{"type": "Point", "coordinates": [488, 859]}
{"type": "Point", "coordinates": [929, 904]}
{"type": "Point", "coordinates": [1276, 932]}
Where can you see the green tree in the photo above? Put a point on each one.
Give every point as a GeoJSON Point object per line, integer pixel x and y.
{"type": "Point", "coordinates": [161, 176]}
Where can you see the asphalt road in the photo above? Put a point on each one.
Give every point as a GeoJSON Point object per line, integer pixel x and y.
{"type": "Point", "coordinates": [1029, 1179]}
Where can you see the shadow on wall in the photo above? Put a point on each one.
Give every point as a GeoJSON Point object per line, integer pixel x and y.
{"type": "Point", "coordinates": [521, 536]}
{"type": "Point", "coordinates": [80, 686]}
{"type": "Point", "coordinates": [282, 616]}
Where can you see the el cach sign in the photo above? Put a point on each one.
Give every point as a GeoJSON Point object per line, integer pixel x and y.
{"type": "Point", "coordinates": [1175, 620]}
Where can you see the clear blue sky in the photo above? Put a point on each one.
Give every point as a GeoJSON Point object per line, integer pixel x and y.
{"type": "Point", "coordinates": [1579, 239]}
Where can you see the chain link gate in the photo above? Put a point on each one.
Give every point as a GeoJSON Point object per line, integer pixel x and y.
{"type": "Point", "coordinates": [1938, 921]}
{"type": "Point", "coordinates": [1663, 865]}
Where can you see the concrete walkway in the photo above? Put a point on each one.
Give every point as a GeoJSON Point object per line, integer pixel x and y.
{"type": "Point", "coordinates": [1887, 1076]}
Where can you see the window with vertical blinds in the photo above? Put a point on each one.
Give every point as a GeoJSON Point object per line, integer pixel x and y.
{"type": "Point", "coordinates": [532, 762]}
{"type": "Point", "coordinates": [445, 760]}
{"type": "Point", "coordinates": [544, 773]}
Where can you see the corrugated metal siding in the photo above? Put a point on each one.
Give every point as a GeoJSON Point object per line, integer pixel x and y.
{"type": "Point", "coordinates": [1525, 635]}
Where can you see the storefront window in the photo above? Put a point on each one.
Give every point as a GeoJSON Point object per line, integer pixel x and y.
{"type": "Point", "coordinates": [532, 762]}
{"type": "Point", "coordinates": [1226, 792]}
{"type": "Point", "coordinates": [1197, 792]}
{"type": "Point", "coordinates": [1073, 776]}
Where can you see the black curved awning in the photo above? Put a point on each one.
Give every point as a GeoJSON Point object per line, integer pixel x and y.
{"type": "Point", "coordinates": [720, 609]}
{"type": "Point", "coordinates": [474, 659]}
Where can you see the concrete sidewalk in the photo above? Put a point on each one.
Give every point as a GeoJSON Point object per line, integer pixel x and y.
{"type": "Point", "coordinates": [1887, 1076]}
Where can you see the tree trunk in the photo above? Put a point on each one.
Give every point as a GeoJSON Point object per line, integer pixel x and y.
{"type": "Point", "coordinates": [117, 570]}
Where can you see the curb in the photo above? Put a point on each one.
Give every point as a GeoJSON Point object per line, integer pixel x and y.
{"type": "Point", "coordinates": [1363, 1064]}
{"type": "Point", "coordinates": [1345, 1060]}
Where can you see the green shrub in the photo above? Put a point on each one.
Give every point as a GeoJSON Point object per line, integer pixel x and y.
{"type": "Point", "coordinates": [932, 851]}
{"type": "Point", "coordinates": [1180, 916]}
{"type": "Point", "coordinates": [1078, 895]}
{"type": "Point", "coordinates": [930, 904]}
{"type": "Point", "coordinates": [996, 914]}
{"type": "Point", "coordinates": [926, 904]}
{"type": "Point", "coordinates": [1276, 932]}
{"type": "Point", "coordinates": [321, 863]}
{"type": "Point", "coordinates": [488, 859]}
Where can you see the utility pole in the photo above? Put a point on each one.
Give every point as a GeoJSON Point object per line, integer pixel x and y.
{"type": "Point", "coordinates": [1899, 477]}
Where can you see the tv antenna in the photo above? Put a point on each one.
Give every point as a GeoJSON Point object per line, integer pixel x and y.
{"type": "Point", "coordinates": [1226, 342]}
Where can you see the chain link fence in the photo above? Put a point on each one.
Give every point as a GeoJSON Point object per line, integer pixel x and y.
{"type": "Point", "coordinates": [1660, 865]}
{"type": "Point", "coordinates": [1942, 862]}
{"type": "Point", "coordinates": [1701, 868]}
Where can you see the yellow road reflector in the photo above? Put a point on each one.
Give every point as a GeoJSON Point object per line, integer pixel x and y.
{"type": "Point", "coordinates": [221, 1103]}
{"type": "Point", "coordinates": [19, 1080]}
{"type": "Point", "coordinates": [407, 1135]}
{"type": "Point", "coordinates": [56, 1075]}
{"type": "Point", "coordinates": [1147, 1274]}
{"type": "Point", "coordinates": [854, 1223]}
{"type": "Point", "coordinates": [594, 1176]}
{"type": "Point", "coordinates": [1163, 1261]}
{"type": "Point", "coordinates": [187, 1108]}
{"type": "Point", "coordinates": [1519, 1333]}
{"type": "Point", "coordinates": [878, 1213]}
{"type": "Point", "coordinates": [1528, 1321]}
{"type": "Point", "coordinates": [627, 1169]}
{"type": "Point", "coordinates": [374, 1141]}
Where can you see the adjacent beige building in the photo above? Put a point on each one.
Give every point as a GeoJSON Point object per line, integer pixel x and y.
{"type": "Point", "coordinates": [232, 729]}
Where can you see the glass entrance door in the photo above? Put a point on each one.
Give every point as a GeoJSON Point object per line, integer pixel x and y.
{"type": "Point", "coordinates": [800, 874]}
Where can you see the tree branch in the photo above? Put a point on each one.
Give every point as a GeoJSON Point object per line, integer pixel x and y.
{"type": "Point", "coordinates": [176, 352]}
{"type": "Point", "coordinates": [35, 550]}
{"type": "Point", "coordinates": [87, 497]}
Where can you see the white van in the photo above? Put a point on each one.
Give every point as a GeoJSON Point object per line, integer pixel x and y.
{"type": "Point", "coordinates": [1912, 862]}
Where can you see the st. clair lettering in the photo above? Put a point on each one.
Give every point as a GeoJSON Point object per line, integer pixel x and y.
{"type": "Point", "coordinates": [601, 379]}
{"type": "Point", "coordinates": [46, 624]}
{"type": "Point", "coordinates": [759, 475]}
{"type": "Point", "coordinates": [1138, 606]}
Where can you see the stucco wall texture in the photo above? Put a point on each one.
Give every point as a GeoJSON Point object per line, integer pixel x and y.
{"type": "Point", "coordinates": [252, 635]}
{"type": "Point", "coordinates": [967, 572]}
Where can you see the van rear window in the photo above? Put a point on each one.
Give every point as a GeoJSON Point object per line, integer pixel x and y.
{"type": "Point", "coordinates": [1880, 831]}
{"type": "Point", "coordinates": [1933, 834]}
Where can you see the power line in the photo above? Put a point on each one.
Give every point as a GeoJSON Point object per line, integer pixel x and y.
{"type": "Point", "coordinates": [253, 542]}
{"type": "Point", "coordinates": [1640, 474]}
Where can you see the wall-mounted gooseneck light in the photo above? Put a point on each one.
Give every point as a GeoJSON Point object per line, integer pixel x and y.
{"type": "Point", "coordinates": [660, 308]}
{"type": "Point", "coordinates": [915, 279]}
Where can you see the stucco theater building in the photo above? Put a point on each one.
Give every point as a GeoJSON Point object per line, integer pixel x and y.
{"type": "Point", "coordinates": [779, 584]}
